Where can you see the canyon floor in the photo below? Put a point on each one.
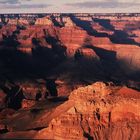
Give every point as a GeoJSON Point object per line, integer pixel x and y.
{"type": "Point", "coordinates": [70, 76]}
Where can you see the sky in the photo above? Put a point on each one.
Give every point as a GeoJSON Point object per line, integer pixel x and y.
{"type": "Point", "coordinates": [69, 6]}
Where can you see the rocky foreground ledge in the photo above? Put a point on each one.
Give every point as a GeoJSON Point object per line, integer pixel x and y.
{"type": "Point", "coordinates": [99, 111]}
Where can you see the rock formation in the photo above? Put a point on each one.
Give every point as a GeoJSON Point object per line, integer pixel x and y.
{"type": "Point", "coordinates": [43, 21]}
{"type": "Point", "coordinates": [50, 68]}
{"type": "Point", "coordinates": [68, 22]}
{"type": "Point", "coordinates": [97, 111]}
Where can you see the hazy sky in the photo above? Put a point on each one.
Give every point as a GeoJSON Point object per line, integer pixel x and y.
{"type": "Point", "coordinates": [63, 6]}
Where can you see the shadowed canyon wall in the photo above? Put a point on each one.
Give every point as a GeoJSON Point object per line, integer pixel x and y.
{"type": "Point", "coordinates": [50, 68]}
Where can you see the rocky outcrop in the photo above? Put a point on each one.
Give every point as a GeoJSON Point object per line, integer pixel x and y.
{"type": "Point", "coordinates": [43, 21]}
{"type": "Point", "coordinates": [23, 21]}
{"type": "Point", "coordinates": [31, 90]}
{"type": "Point", "coordinates": [12, 21]}
{"type": "Point", "coordinates": [67, 22]}
{"type": "Point", "coordinates": [44, 58]}
{"type": "Point", "coordinates": [28, 103]}
{"type": "Point", "coordinates": [96, 113]}
{"type": "Point", "coordinates": [92, 37]}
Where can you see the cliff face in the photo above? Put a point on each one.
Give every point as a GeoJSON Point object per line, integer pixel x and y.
{"type": "Point", "coordinates": [105, 46]}
{"type": "Point", "coordinates": [97, 111]}
{"type": "Point", "coordinates": [43, 21]}
{"type": "Point", "coordinates": [46, 63]}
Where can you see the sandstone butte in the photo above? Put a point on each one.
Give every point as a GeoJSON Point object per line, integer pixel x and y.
{"type": "Point", "coordinates": [70, 76]}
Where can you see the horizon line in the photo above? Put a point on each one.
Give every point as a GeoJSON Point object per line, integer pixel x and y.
{"type": "Point", "coordinates": [73, 13]}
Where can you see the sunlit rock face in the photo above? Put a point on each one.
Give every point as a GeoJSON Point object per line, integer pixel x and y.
{"type": "Point", "coordinates": [98, 112]}
{"type": "Point", "coordinates": [43, 21]}
{"type": "Point", "coordinates": [93, 111]}
{"type": "Point", "coordinates": [50, 68]}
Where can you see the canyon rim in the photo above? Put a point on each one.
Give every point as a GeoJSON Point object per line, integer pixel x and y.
{"type": "Point", "coordinates": [69, 75]}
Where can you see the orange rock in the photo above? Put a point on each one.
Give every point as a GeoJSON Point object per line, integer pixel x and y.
{"type": "Point", "coordinates": [27, 103]}
{"type": "Point", "coordinates": [128, 93]}
{"type": "Point", "coordinates": [95, 114]}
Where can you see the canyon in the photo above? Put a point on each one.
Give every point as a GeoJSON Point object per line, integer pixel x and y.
{"type": "Point", "coordinates": [70, 76]}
